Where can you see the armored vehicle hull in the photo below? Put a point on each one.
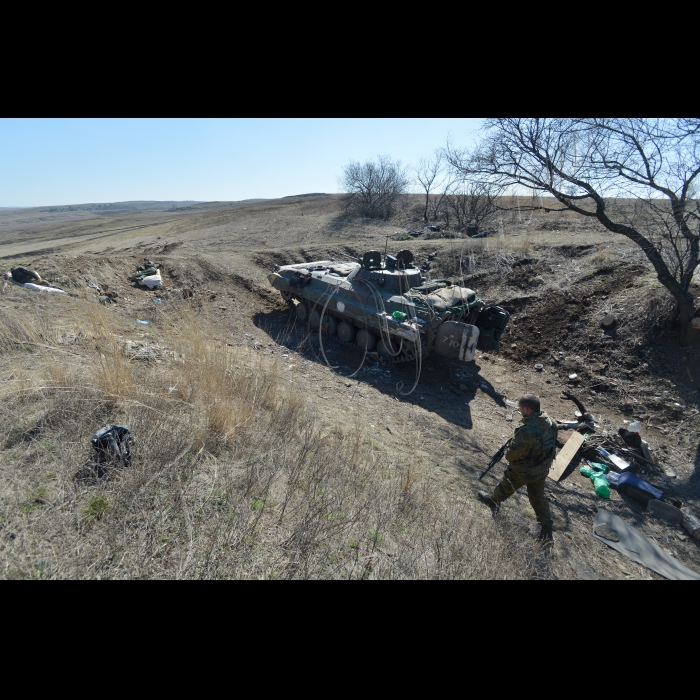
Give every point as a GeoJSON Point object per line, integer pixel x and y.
{"type": "Point", "coordinates": [385, 306]}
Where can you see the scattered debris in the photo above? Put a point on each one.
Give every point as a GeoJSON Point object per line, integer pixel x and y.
{"type": "Point", "coordinates": [112, 449]}
{"type": "Point", "coordinates": [609, 322]}
{"type": "Point", "coordinates": [604, 530]}
{"type": "Point", "coordinates": [148, 274]}
{"type": "Point", "coordinates": [29, 280]}
{"type": "Point", "coordinates": [565, 456]}
{"type": "Point", "coordinates": [638, 489]}
{"type": "Point", "coordinates": [665, 511]}
{"type": "Point", "coordinates": [634, 545]}
{"type": "Point", "coordinates": [596, 473]}
{"type": "Point", "coordinates": [691, 523]}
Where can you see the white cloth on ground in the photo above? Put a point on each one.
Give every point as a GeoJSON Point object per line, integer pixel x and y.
{"type": "Point", "coordinates": [39, 287]}
{"type": "Point", "coordinates": [152, 281]}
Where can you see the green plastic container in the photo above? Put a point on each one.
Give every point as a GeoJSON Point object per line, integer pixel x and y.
{"type": "Point", "coordinates": [599, 482]}
{"type": "Point", "coordinates": [600, 467]}
{"type": "Point", "coordinates": [399, 316]}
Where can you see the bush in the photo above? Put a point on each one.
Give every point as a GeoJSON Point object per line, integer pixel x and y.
{"type": "Point", "coordinates": [373, 189]}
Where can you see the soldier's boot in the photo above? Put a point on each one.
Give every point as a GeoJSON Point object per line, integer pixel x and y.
{"type": "Point", "coordinates": [546, 536]}
{"type": "Point", "coordinates": [488, 500]}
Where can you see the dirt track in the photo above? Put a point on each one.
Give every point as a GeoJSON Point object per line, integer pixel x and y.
{"type": "Point", "coordinates": [557, 282]}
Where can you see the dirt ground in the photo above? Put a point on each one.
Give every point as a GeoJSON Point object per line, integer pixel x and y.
{"type": "Point", "coordinates": [556, 275]}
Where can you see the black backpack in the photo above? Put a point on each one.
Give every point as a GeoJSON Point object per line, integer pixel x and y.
{"type": "Point", "coordinates": [111, 445]}
{"type": "Point", "coordinates": [492, 322]}
{"type": "Point", "coordinates": [22, 275]}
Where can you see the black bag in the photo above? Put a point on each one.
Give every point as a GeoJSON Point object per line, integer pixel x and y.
{"type": "Point", "coordinates": [491, 322]}
{"type": "Point", "coordinates": [22, 275]}
{"type": "Point", "coordinates": [111, 445]}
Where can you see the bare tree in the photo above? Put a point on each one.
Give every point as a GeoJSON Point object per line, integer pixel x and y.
{"type": "Point", "coordinates": [373, 188]}
{"type": "Point", "coordinates": [435, 181]}
{"type": "Point", "coordinates": [473, 203]}
{"type": "Point", "coordinates": [638, 177]}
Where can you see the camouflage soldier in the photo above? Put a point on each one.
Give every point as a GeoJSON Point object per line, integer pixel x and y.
{"type": "Point", "coordinates": [529, 454]}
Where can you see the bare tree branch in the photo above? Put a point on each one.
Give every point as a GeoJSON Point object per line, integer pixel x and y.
{"type": "Point", "coordinates": [639, 175]}
{"type": "Point", "coordinates": [373, 188]}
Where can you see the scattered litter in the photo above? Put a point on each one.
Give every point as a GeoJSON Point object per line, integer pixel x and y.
{"type": "Point", "coordinates": [638, 489]}
{"type": "Point", "coordinates": [38, 287]}
{"type": "Point", "coordinates": [665, 511]}
{"type": "Point", "coordinates": [158, 301]}
{"type": "Point", "coordinates": [609, 322]}
{"type": "Point", "coordinates": [613, 479]}
{"type": "Point", "coordinates": [595, 472]}
{"type": "Point", "coordinates": [539, 367]}
{"type": "Point", "coordinates": [151, 281]}
{"type": "Point", "coordinates": [509, 416]}
{"type": "Point", "coordinates": [111, 445]}
{"type": "Point", "coordinates": [617, 461]}
{"type": "Point", "coordinates": [604, 530]}
{"type": "Point", "coordinates": [573, 377]}
{"type": "Point", "coordinates": [565, 456]}
{"type": "Point", "coordinates": [145, 323]}
{"type": "Point", "coordinates": [510, 403]}
{"type": "Point", "coordinates": [634, 545]}
{"type": "Point", "coordinates": [90, 283]}
{"type": "Point", "coordinates": [691, 523]}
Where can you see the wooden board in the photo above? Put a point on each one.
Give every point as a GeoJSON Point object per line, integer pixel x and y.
{"type": "Point", "coordinates": [566, 454]}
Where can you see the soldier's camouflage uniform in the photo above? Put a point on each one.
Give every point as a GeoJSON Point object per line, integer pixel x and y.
{"type": "Point", "coordinates": [530, 454]}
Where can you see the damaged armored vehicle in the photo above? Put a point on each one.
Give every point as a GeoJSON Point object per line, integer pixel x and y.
{"type": "Point", "coordinates": [384, 305]}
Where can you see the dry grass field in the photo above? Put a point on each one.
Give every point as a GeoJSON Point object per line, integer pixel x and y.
{"type": "Point", "coordinates": [253, 459]}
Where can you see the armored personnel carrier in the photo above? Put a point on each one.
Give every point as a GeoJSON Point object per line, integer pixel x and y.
{"type": "Point", "coordinates": [384, 305]}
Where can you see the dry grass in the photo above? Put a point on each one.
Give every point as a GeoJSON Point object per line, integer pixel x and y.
{"type": "Point", "coordinates": [233, 474]}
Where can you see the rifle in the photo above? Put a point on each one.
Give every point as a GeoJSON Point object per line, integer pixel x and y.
{"type": "Point", "coordinates": [495, 459]}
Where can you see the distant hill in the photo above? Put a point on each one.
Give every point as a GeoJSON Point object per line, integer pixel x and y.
{"type": "Point", "coordinates": [111, 207]}
{"type": "Point", "coordinates": [310, 194]}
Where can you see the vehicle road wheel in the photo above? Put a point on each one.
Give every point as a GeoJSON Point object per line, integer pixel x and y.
{"type": "Point", "coordinates": [346, 332]}
{"type": "Point", "coordinates": [330, 325]}
{"type": "Point", "coordinates": [366, 338]}
{"type": "Point", "coordinates": [315, 318]}
{"type": "Point", "coordinates": [302, 311]}
{"type": "Point", "coordinates": [390, 352]}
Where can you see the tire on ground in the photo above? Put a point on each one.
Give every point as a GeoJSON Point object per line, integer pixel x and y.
{"type": "Point", "coordinates": [346, 332]}
{"type": "Point", "coordinates": [302, 312]}
{"type": "Point", "coordinates": [366, 338]}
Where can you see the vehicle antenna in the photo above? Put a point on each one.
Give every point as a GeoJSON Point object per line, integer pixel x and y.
{"type": "Point", "coordinates": [386, 248]}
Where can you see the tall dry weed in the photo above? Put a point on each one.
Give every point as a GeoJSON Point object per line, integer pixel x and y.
{"type": "Point", "coordinates": [233, 474]}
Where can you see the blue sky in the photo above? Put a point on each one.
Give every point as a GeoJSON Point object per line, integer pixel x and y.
{"type": "Point", "coordinates": [75, 161]}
